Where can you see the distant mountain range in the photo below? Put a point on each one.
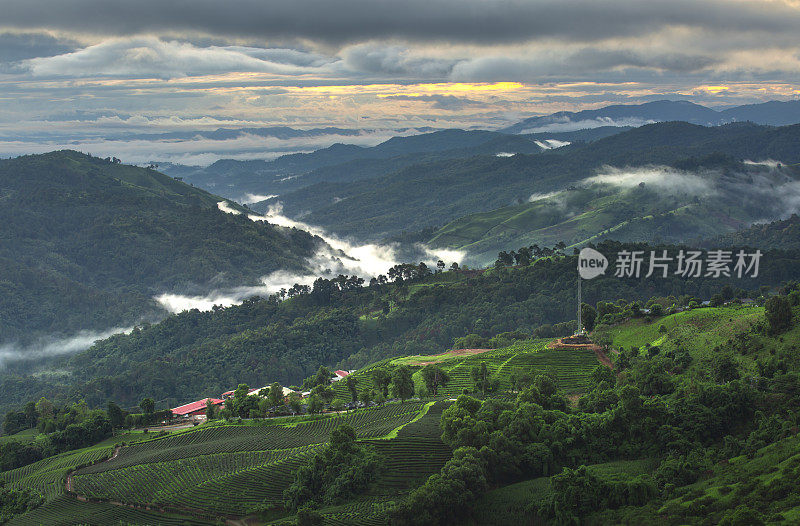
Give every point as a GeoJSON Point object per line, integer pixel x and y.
{"type": "Point", "coordinates": [86, 243]}
{"type": "Point", "coordinates": [245, 180]}
{"type": "Point", "coordinates": [773, 113]}
{"type": "Point", "coordinates": [476, 198]}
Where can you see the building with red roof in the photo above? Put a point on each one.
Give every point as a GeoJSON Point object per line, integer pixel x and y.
{"type": "Point", "coordinates": [195, 408]}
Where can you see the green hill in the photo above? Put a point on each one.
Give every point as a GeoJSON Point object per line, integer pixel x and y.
{"type": "Point", "coordinates": [86, 243]}
{"type": "Point", "coordinates": [665, 440]}
{"type": "Point", "coordinates": [199, 470]}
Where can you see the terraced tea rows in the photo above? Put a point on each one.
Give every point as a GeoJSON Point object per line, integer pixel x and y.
{"type": "Point", "coordinates": [47, 476]}
{"type": "Point", "coordinates": [570, 368]}
{"type": "Point", "coordinates": [428, 425]}
{"type": "Point", "coordinates": [366, 512]}
{"type": "Point", "coordinates": [230, 438]}
{"type": "Point", "coordinates": [161, 482]}
{"type": "Point", "coordinates": [250, 487]}
{"type": "Point", "coordinates": [253, 462]}
{"type": "Point", "coordinates": [409, 462]}
{"type": "Point", "coordinates": [66, 511]}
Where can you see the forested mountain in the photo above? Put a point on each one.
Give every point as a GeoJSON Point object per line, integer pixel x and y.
{"type": "Point", "coordinates": [782, 235]}
{"type": "Point", "coordinates": [774, 113]}
{"type": "Point", "coordinates": [196, 354]}
{"type": "Point", "coordinates": [435, 193]}
{"type": "Point", "coordinates": [715, 195]}
{"type": "Point", "coordinates": [87, 242]}
{"type": "Point", "coordinates": [348, 163]}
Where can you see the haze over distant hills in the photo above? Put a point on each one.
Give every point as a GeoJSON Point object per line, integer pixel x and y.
{"type": "Point", "coordinates": [774, 113]}
{"type": "Point", "coordinates": [244, 181]}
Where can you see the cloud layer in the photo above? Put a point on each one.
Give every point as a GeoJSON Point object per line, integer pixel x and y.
{"type": "Point", "coordinates": [379, 63]}
{"type": "Point", "coordinates": [482, 21]}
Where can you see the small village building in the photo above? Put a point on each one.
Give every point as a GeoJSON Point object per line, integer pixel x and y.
{"type": "Point", "coordinates": [197, 408]}
{"type": "Point", "coordinates": [340, 375]}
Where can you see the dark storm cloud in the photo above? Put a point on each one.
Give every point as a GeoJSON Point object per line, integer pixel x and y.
{"type": "Point", "coordinates": [357, 20]}
{"type": "Point", "coordinates": [20, 46]}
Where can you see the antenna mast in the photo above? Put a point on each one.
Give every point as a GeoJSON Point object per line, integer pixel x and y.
{"type": "Point", "coordinates": [580, 326]}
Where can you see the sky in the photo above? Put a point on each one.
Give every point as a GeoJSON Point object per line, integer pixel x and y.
{"type": "Point", "coordinates": [98, 74]}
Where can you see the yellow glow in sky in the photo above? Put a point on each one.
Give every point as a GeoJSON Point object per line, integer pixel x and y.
{"type": "Point", "coordinates": [715, 89]}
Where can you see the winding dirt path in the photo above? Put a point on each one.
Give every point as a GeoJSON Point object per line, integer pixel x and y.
{"type": "Point", "coordinates": [602, 357]}
{"type": "Point", "coordinates": [109, 459]}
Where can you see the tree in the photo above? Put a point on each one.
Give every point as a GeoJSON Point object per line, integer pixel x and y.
{"type": "Point", "coordinates": [115, 415]}
{"type": "Point", "coordinates": [45, 408]}
{"type": "Point", "coordinates": [147, 405]}
{"type": "Point", "coordinates": [434, 376]}
{"type": "Point", "coordinates": [31, 414]}
{"type": "Point", "coordinates": [717, 300]}
{"type": "Point", "coordinates": [324, 392]}
{"type": "Point", "coordinates": [778, 312]}
{"type": "Point", "coordinates": [480, 375]}
{"type": "Point", "coordinates": [240, 396]}
{"type": "Point", "coordinates": [381, 379]}
{"type": "Point", "coordinates": [314, 404]}
{"type": "Point", "coordinates": [588, 316]}
{"type": "Point", "coordinates": [351, 382]}
{"type": "Point", "coordinates": [276, 395]}
{"type": "Point", "coordinates": [211, 410]}
{"type": "Point", "coordinates": [723, 369]}
{"type": "Point", "coordinates": [294, 402]}
{"type": "Point", "coordinates": [366, 396]}
{"type": "Point", "coordinates": [341, 469]}
{"type": "Point", "coordinates": [402, 384]}
{"type": "Point", "coordinates": [323, 376]}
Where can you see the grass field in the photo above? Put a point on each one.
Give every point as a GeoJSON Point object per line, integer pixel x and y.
{"type": "Point", "coordinates": [697, 329]}
{"type": "Point", "coordinates": [27, 435]}
{"type": "Point", "coordinates": [701, 331]}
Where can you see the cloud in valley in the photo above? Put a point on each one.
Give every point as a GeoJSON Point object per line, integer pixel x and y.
{"type": "Point", "coordinates": [663, 178]}
{"type": "Point", "coordinates": [338, 256]}
{"type": "Point", "coordinates": [55, 346]}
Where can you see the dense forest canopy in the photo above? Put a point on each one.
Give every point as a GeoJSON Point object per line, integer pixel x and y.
{"type": "Point", "coordinates": [87, 242]}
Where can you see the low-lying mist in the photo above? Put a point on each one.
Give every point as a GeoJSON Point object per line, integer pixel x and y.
{"type": "Point", "coordinates": [770, 187]}
{"type": "Point", "coordinates": [51, 346]}
{"type": "Point", "coordinates": [337, 256]}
